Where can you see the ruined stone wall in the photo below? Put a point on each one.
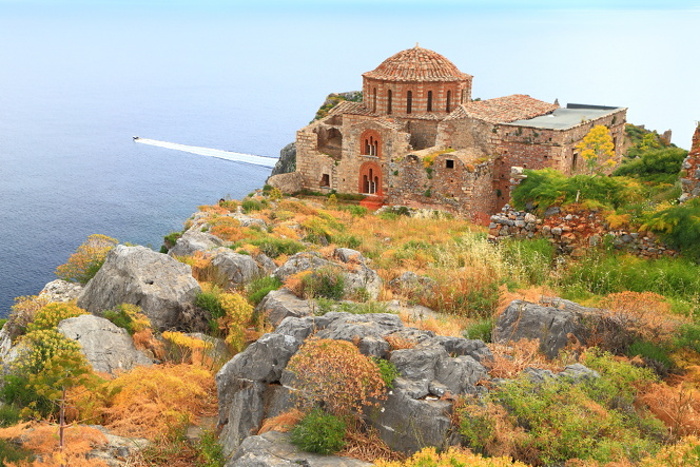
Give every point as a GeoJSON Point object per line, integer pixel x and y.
{"type": "Point", "coordinates": [690, 175]}
{"type": "Point", "coordinates": [574, 233]}
{"type": "Point", "coordinates": [423, 133]}
{"type": "Point", "coordinates": [448, 183]}
{"type": "Point", "coordinates": [468, 133]}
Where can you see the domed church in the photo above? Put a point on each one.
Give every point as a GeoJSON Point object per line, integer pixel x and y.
{"type": "Point", "coordinates": [418, 138]}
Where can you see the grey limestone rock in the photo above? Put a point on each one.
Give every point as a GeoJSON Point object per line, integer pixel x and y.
{"type": "Point", "coordinates": [162, 286]}
{"type": "Point", "coordinates": [274, 449]}
{"type": "Point", "coordinates": [107, 347]}
{"type": "Point", "coordinates": [408, 425]}
{"type": "Point", "coordinates": [234, 269]}
{"type": "Point", "coordinates": [288, 183]}
{"type": "Point", "coordinates": [193, 241]}
{"type": "Point", "coordinates": [550, 324]}
{"type": "Point", "coordinates": [61, 291]}
{"type": "Point", "coordinates": [288, 160]}
{"type": "Point", "coordinates": [280, 304]}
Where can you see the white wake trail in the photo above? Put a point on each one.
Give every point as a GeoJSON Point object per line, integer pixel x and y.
{"type": "Point", "coordinates": [221, 154]}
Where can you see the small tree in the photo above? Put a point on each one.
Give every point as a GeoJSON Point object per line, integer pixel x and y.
{"type": "Point", "coordinates": [87, 259]}
{"type": "Point", "coordinates": [598, 149]}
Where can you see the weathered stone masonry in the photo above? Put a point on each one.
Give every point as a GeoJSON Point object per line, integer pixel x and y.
{"type": "Point", "coordinates": [418, 139]}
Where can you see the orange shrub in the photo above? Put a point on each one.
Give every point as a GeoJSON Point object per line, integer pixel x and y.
{"type": "Point", "coordinates": [335, 373]}
{"type": "Point", "coordinates": [87, 259]}
{"type": "Point", "coordinates": [510, 360]}
{"type": "Point", "coordinates": [42, 439]}
{"type": "Point", "coordinates": [226, 228]}
{"type": "Point", "coordinates": [646, 313]}
{"type": "Point", "coordinates": [150, 401]}
{"type": "Point", "coordinates": [678, 407]}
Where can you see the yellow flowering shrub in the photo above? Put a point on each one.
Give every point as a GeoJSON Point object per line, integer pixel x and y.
{"type": "Point", "coordinates": [429, 457]}
{"type": "Point", "coordinates": [48, 316]}
{"type": "Point", "coordinates": [87, 259]}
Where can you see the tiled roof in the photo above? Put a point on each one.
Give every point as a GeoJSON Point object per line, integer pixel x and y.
{"type": "Point", "coordinates": [504, 109]}
{"type": "Point", "coordinates": [357, 108]}
{"type": "Point", "coordinates": [417, 64]}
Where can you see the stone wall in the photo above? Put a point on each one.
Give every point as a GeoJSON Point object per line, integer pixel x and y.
{"type": "Point", "coordinates": [690, 176]}
{"type": "Point", "coordinates": [573, 233]}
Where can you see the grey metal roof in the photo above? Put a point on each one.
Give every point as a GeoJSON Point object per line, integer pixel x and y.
{"type": "Point", "coordinates": [564, 118]}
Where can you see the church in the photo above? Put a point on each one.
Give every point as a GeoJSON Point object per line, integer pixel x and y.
{"type": "Point", "coordinates": [418, 139]}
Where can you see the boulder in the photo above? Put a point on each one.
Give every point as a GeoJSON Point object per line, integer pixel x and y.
{"type": "Point", "coordinates": [162, 286]}
{"type": "Point", "coordinates": [407, 425]}
{"type": "Point", "coordinates": [107, 347]}
{"type": "Point", "coordinates": [279, 304]}
{"type": "Point", "coordinates": [550, 324]}
{"type": "Point", "coordinates": [288, 183]}
{"type": "Point", "coordinates": [288, 160]}
{"type": "Point", "coordinates": [5, 344]}
{"type": "Point", "coordinates": [61, 291]}
{"type": "Point", "coordinates": [193, 241]}
{"type": "Point", "coordinates": [248, 387]}
{"type": "Point", "coordinates": [358, 277]}
{"type": "Point", "coordinates": [274, 449]}
{"type": "Point", "coordinates": [234, 269]}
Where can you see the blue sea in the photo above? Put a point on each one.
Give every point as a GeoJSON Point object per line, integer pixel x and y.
{"type": "Point", "coordinates": [78, 79]}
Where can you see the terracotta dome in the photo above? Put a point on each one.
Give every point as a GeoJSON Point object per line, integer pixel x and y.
{"type": "Point", "coordinates": [417, 64]}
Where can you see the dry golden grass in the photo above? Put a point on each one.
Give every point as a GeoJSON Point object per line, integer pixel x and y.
{"type": "Point", "coordinates": [365, 444]}
{"type": "Point", "coordinates": [452, 326]}
{"type": "Point", "coordinates": [43, 440]}
{"type": "Point", "coordinates": [282, 422]}
{"type": "Point", "coordinates": [399, 342]}
{"type": "Point", "coordinates": [510, 360]}
{"type": "Point", "coordinates": [531, 294]}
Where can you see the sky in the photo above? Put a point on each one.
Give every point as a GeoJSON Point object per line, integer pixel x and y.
{"type": "Point", "coordinates": [637, 54]}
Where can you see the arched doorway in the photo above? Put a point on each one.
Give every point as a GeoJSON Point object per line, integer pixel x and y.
{"type": "Point", "coordinates": [370, 182]}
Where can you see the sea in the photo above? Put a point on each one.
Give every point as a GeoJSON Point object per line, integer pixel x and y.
{"type": "Point", "coordinates": [79, 79]}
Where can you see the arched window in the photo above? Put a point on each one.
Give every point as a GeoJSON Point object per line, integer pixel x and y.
{"type": "Point", "coordinates": [430, 101]}
{"type": "Point", "coordinates": [409, 102]}
{"type": "Point", "coordinates": [370, 143]}
{"type": "Point", "coordinates": [464, 96]}
{"type": "Point", "coordinates": [374, 100]}
{"type": "Point", "coordinates": [388, 102]}
{"type": "Point", "coordinates": [448, 103]}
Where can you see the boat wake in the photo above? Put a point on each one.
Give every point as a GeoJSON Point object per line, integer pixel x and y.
{"type": "Point", "coordinates": [221, 154]}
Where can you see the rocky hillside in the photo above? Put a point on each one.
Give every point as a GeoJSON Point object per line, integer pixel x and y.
{"type": "Point", "coordinates": [281, 331]}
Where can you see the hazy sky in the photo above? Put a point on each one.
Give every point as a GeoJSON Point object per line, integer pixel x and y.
{"type": "Point", "coordinates": [638, 54]}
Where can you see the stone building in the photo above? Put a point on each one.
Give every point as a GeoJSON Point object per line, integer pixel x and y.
{"type": "Point", "coordinates": [418, 138]}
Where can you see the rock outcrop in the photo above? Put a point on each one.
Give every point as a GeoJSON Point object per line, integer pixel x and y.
{"type": "Point", "coordinates": [233, 269]}
{"type": "Point", "coordinates": [554, 324]}
{"type": "Point", "coordinates": [193, 241]}
{"type": "Point", "coordinates": [274, 449]}
{"type": "Point", "coordinates": [358, 276]}
{"type": "Point", "coordinates": [107, 347]}
{"type": "Point", "coordinates": [162, 286]}
{"type": "Point", "coordinates": [254, 384]}
{"type": "Point", "coordinates": [61, 291]}
{"type": "Point", "coordinates": [279, 304]}
{"type": "Point", "coordinates": [289, 183]}
{"type": "Point", "coordinates": [288, 160]}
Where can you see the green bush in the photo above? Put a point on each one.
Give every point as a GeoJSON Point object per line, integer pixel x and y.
{"type": "Point", "coordinates": [274, 247]}
{"type": "Point", "coordinates": [387, 370]}
{"type": "Point", "coordinates": [210, 301]}
{"type": "Point", "coordinates": [319, 432]}
{"type": "Point", "coordinates": [2, 322]}
{"type": "Point", "coordinates": [9, 452]}
{"type": "Point", "coordinates": [210, 452]}
{"type": "Point", "coordinates": [688, 337]}
{"type": "Point", "coordinates": [259, 288]}
{"type": "Point", "coordinates": [355, 210]}
{"type": "Point", "coordinates": [657, 165]}
{"type": "Point", "coordinates": [170, 240]}
{"type": "Point", "coordinates": [679, 227]}
{"type": "Point", "coordinates": [480, 329]}
{"type": "Point", "coordinates": [548, 187]}
{"type": "Point", "coordinates": [653, 354]}
{"type": "Point", "coordinates": [9, 415]}
{"type": "Point", "coordinates": [325, 282]}
{"type": "Point", "coordinates": [363, 308]}
{"type": "Point", "coordinates": [602, 274]}
{"type": "Point", "coordinates": [531, 258]}
{"type": "Point", "coordinates": [250, 205]}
